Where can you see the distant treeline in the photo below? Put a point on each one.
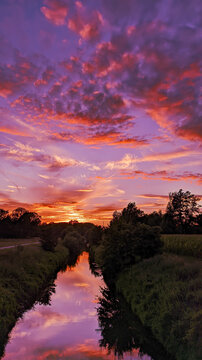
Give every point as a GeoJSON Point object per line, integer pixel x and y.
{"type": "Point", "coordinates": [182, 216]}
{"type": "Point", "coordinates": [20, 223]}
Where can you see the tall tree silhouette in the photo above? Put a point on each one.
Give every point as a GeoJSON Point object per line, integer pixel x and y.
{"type": "Point", "coordinates": [182, 211]}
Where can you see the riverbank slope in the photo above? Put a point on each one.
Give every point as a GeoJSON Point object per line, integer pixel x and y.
{"type": "Point", "coordinates": [165, 293]}
{"type": "Point", "coordinates": [25, 273]}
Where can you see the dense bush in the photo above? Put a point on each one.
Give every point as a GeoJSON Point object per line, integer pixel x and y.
{"type": "Point", "coordinates": [94, 236]}
{"type": "Point", "coordinates": [48, 238]}
{"type": "Point", "coordinates": [75, 243]}
{"type": "Point", "coordinates": [125, 244]}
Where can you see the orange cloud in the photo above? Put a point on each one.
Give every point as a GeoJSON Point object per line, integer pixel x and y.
{"type": "Point", "coordinates": [153, 196]}
{"type": "Point", "coordinates": [13, 131]}
{"type": "Point", "coordinates": [114, 138]}
{"type": "Point", "coordinates": [87, 350]}
{"type": "Point", "coordinates": [175, 154]}
{"type": "Point", "coordinates": [163, 175]}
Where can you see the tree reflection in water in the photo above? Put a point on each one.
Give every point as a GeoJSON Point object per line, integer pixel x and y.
{"type": "Point", "coordinates": [45, 296]}
{"type": "Point", "coordinates": [122, 331]}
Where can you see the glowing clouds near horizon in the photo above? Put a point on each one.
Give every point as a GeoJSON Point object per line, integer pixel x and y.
{"type": "Point", "coordinates": [98, 102]}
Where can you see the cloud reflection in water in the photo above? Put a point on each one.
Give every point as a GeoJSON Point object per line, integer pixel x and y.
{"type": "Point", "coordinates": [67, 328]}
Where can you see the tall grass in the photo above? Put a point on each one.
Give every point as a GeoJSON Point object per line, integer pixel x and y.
{"type": "Point", "coordinates": [166, 292]}
{"type": "Point", "coordinates": [24, 273]}
{"type": "Point", "coordinates": [181, 244]}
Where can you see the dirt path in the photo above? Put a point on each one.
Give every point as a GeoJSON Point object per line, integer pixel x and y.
{"type": "Point", "coordinates": [13, 246]}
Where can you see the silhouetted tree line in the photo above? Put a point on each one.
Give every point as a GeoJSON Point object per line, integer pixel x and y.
{"type": "Point", "coordinates": [182, 215]}
{"type": "Point", "coordinates": [72, 235]}
{"type": "Point", "coordinates": [20, 223]}
{"type": "Point", "coordinates": [133, 236]}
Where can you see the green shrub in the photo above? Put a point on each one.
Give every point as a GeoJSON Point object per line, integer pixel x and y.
{"type": "Point", "coordinates": [48, 238]}
{"type": "Point", "coordinates": [75, 244]}
{"type": "Point", "coordinates": [125, 244]}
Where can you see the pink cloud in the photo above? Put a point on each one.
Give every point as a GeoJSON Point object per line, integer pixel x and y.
{"type": "Point", "coordinates": [87, 26]}
{"type": "Point", "coordinates": [56, 11]}
{"type": "Point", "coordinates": [113, 138]}
{"type": "Point", "coordinates": [164, 175]}
{"type": "Point", "coordinates": [16, 77]}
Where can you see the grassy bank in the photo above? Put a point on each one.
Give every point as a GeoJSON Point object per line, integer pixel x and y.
{"type": "Point", "coordinates": [182, 244]}
{"type": "Point", "coordinates": [24, 274]}
{"type": "Point", "coordinates": [165, 292]}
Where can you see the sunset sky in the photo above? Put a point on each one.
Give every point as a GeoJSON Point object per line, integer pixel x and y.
{"type": "Point", "coordinates": [99, 105]}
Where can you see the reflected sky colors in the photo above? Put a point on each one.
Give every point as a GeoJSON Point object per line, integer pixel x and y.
{"type": "Point", "coordinates": [66, 329]}
{"type": "Point", "coordinates": [100, 104]}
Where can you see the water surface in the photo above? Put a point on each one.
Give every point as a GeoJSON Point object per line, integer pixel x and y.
{"type": "Point", "coordinates": [67, 329]}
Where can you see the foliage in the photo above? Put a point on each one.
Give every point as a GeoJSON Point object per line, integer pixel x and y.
{"type": "Point", "coordinates": [165, 292]}
{"type": "Point", "coordinates": [181, 213]}
{"type": "Point", "coordinates": [3, 214]}
{"type": "Point", "coordinates": [125, 244]}
{"type": "Point", "coordinates": [73, 241]}
{"type": "Point", "coordinates": [75, 244]}
{"type": "Point", "coordinates": [131, 214]}
{"type": "Point", "coordinates": [20, 223]}
{"type": "Point", "coordinates": [190, 245]}
{"type": "Point", "coordinates": [94, 236]}
{"type": "Point", "coordinates": [48, 238]}
{"type": "Point", "coordinates": [153, 219]}
{"type": "Point", "coordinates": [198, 226]}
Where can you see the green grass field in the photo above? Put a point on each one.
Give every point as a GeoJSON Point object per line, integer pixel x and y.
{"type": "Point", "coordinates": [182, 244]}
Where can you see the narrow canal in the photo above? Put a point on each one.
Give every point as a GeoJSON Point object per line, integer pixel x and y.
{"type": "Point", "coordinates": [66, 329]}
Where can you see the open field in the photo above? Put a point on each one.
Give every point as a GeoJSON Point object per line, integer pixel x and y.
{"type": "Point", "coordinates": [182, 244]}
